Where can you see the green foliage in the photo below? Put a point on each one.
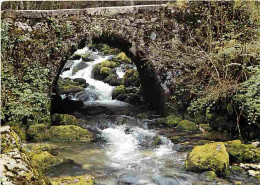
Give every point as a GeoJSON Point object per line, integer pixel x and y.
{"type": "Point", "coordinates": [4, 36]}
{"type": "Point", "coordinates": [249, 98]}
{"type": "Point", "coordinates": [25, 100]}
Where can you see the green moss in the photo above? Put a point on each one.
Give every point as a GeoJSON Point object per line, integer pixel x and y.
{"type": "Point", "coordinates": [187, 126]}
{"type": "Point", "coordinates": [240, 152]}
{"type": "Point", "coordinates": [205, 127]}
{"type": "Point", "coordinates": [108, 64]}
{"type": "Point", "coordinates": [209, 157]}
{"type": "Point", "coordinates": [20, 132]}
{"type": "Point", "coordinates": [64, 119]}
{"type": "Point", "coordinates": [71, 88]}
{"type": "Point", "coordinates": [142, 116]}
{"type": "Point", "coordinates": [118, 91]}
{"type": "Point", "coordinates": [69, 132]}
{"type": "Point", "coordinates": [131, 78]}
{"type": "Point", "coordinates": [176, 139]}
{"type": "Point", "coordinates": [210, 175]}
{"type": "Point", "coordinates": [123, 58]}
{"type": "Point", "coordinates": [172, 120]}
{"type": "Point", "coordinates": [37, 148]}
{"type": "Point", "coordinates": [38, 132]}
{"type": "Point", "coordinates": [105, 71]}
{"type": "Point", "coordinates": [237, 169]}
{"type": "Point", "coordinates": [77, 180]}
{"type": "Point", "coordinates": [44, 160]}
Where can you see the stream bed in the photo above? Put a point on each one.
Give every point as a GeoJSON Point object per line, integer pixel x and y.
{"type": "Point", "coordinates": [127, 150]}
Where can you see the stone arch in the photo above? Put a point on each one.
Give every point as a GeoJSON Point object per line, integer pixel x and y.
{"type": "Point", "coordinates": [153, 91]}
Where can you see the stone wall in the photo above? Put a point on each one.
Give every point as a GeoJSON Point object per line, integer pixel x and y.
{"type": "Point", "coordinates": [48, 38]}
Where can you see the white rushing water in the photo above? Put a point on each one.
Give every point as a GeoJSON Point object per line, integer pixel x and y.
{"type": "Point", "coordinates": [102, 90]}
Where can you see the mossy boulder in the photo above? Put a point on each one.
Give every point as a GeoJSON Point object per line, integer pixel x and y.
{"type": "Point", "coordinates": [173, 120]}
{"type": "Point", "coordinates": [67, 86]}
{"type": "Point", "coordinates": [131, 78]}
{"type": "Point", "coordinates": [76, 180]}
{"type": "Point", "coordinates": [38, 132]}
{"type": "Point", "coordinates": [105, 71]}
{"type": "Point", "coordinates": [123, 58]}
{"type": "Point", "coordinates": [87, 57]}
{"type": "Point", "coordinates": [240, 152]}
{"type": "Point", "coordinates": [109, 64]}
{"type": "Point", "coordinates": [118, 91]}
{"type": "Point", "coordinates": [44, 159]}
{"type": "Point", "coordinates": [20, 131]}
{"type": "Point", "coordinates": [64, 119]}
{"type": "Point", "coordinates": [156, 141]}
{"type": "Point", "coordinates": [208, 157]}
{"type": "Point", "coordinates": [69, 132]}
{"type": "Point", "coordinates": [188, 126]}
{"type": "Point", "coordinates": [113, 80]}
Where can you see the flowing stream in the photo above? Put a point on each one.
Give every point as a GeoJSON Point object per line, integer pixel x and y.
{"type": "Point", "coordinates": [127, 152]}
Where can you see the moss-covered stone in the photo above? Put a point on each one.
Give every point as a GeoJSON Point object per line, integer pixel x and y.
{"type": "Point", "coordinates": [236, 169]}
{"type": "Point", "coordinates": [209, 175]}
{"type": "Point", "coordinates": [109, 64]}
{"type": "Point", "coordinates": [69, 89]}
{"type": "Point", "coordinates": [16, 167]}
{"type": "Point", "coordinates": [44, 160]}
{"type": "Point", "coordinates": [76, 180]}
{"type": "Point", "coordinates": [209, 157]}
{"type": "Point", "coordinates": [69, 132]}
{"type": "Point", "coordinates": [38, 132]}
{"type": "Point", "coordinates": [175, 139]}
{"type": "Point", "coordinates": [142, 116]}
{"type": "Point", "coordinates": [123, 58]}
{"type": "Point", "coordinates": [20, 131]}
{"type": "Point", "coordinates": [187, 126]}
{"type": "Point", "coordinates": [240, 152]}
{"type": "Point", "coordinates": [87, 58]}
{"type": "Point", "coordinates": [205, 127]}
{"type": "Point", "coordinates": [105, 71]}
{"type": "Point", "coordinates": [131, 78]}
{"type": "Point", "coordinates": [156, 140]}
{"type": "Point", "coordinates": [173, 120]}
{"type": "Point", "coordinates": [64, 119]}
{"type": "Point", "coordinates": [118, 91]}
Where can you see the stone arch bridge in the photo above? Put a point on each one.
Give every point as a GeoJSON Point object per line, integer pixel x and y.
{"type": "Point", "coordinates": [49, 37]}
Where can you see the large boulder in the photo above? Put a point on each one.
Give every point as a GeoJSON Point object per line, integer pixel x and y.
{"type": "Point", "coordinates": [104, 69]}
{"type": "Point", "coordinates": [64, 119]}
{"type": "Point", "coordinates": [131, 78]}
{"type": "Point", "coordinates": [69, 132]}
{"type": "Point", "coordinates": [15, 165]}
{"type": "Point", "coordinates": [208, 157]}
{"type": "Point", "coordinates": [87, 95]}
{"type": "Point", "coordinates": [119, 90]}
{"type": "Point", "coordinates": [81, 81]}
{"type": "Point", "coordinates": [239, 152]}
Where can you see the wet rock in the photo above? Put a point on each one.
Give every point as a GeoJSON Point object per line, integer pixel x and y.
{"type": "Point", "coordinates": [166, 180]}
{"type": "Point", "coordinates": [78, 67]}
{"type": "Point", "coordinates": [69, 106]}
{"type": "Point", "coordinates": [209, 157]}
{"type": "Point", "coordinates": [76, 180]}
{"type": "Point", "coordinates": [64, 119]}
{"type": "Point", "coordinates": [240, 152]}
{"type": "Point", "coordinates": [122, 97]}
{"type": "Point", "coordinates": [208, 176]}
{"type": "Point", "coordinates": [188, 126]}
{"type": "Point", "coordinates": [87, 57]}
{"type": "Point", "coordinates": [121, 57]}
{"type": "Point", "coordinates": [81, 81]}
{"type": "Point", "coordinates": [118, 91]}
{"type": "Point", "coordinates": [75, 57]}
{"type": "Point", "coordinates": [131, 78]}
{"type": "Point", "coordinates": [69, 132]}
{"type": "Point", "coordinates": [173, 120]}
{"type": "Point", "coordinates": [68, 65]}
{"type": "Point", "coordinates": [87, 95]}
{"type": "Point", "coordinates": [175, 139]}
{"type": "Point", "coordinates": [95, 110]}
{"type": "Point", "coordinates": [127, 179]}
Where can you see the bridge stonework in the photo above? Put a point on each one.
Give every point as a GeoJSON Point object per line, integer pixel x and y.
{"type": "Point", "coordinates": [48, 38]}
